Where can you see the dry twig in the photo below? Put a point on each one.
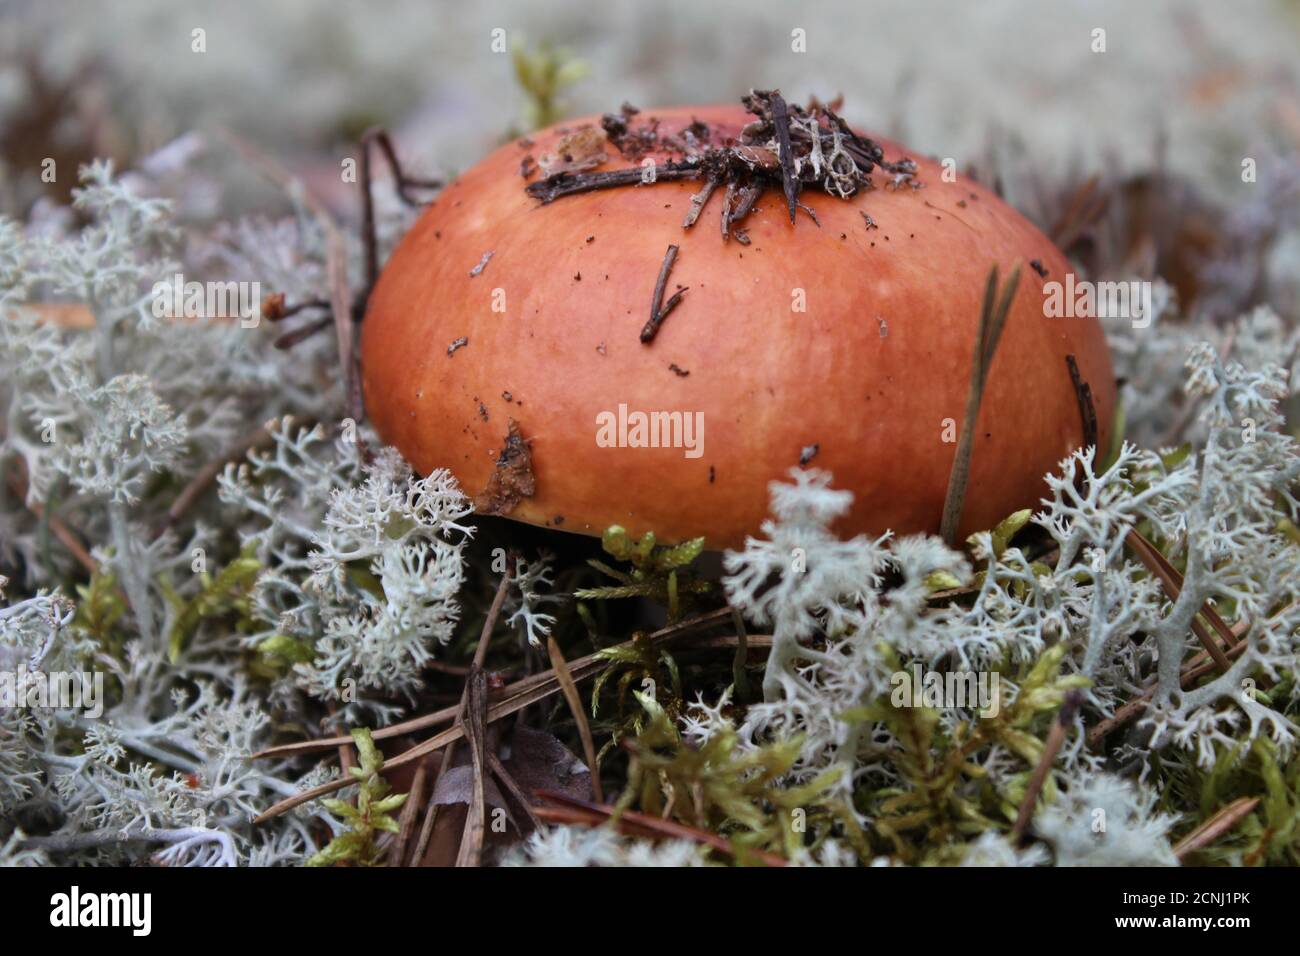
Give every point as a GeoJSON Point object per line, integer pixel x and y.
{"type": "Point", "coordinates": [658, 308]}
{"type": "Point", "coordinates": [517, 696]}
{"type": "Point", "coordinates": [471, 841]}
{"type": "Point", "coordinates": [192, 492]}
{"type": "Point", "coordinates": [410, 816]}
{"type": "Point", "coordinates": [480, 654]}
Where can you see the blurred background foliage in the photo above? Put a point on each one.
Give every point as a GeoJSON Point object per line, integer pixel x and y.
{"type": "Point", "coordinates": [1204, 82]}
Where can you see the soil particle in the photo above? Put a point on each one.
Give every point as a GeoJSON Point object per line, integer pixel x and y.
{"type": "Point", "coordinates": [512, 479]}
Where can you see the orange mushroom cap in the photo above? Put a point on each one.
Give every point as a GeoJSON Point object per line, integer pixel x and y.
{"type": "Point", "coordinates": [843, 345]}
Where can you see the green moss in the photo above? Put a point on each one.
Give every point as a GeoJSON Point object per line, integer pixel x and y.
{"type": "Point", "coordinates": [743, 795]}
{"type": "Point", "coordinates": [225, 593]}
{"type": "Point", "coordinates": [944, 798]}
{"type": "Point", "coordinates": [371, 815]}
{"type": "Point", "coordinates": [658, 572]}
{"type": "Point", "coordinates": [543, 73]}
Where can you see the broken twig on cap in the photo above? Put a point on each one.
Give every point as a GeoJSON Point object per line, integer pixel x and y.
{"type": "Point", "coordinates": [781, 125]}
{"type": "Point", "coordinates": [658, 308]}
{"type": "Point", "coordinates": [786, 147]}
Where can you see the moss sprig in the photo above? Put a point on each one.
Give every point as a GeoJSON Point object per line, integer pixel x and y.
{"type": "Point", "coordinates": [943, 797]}
{"type": "Point", "coordinates": [742, 793]}
{"type": "Point", "coordinates": [658, 571]}
{"type": "Point", "coordinates": [368, 818]}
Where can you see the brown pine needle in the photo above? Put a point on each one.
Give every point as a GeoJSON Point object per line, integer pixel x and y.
{"type": "Point", "coordinates": [1055, 738]}
{"type": "Point", "coordinates": [1199, 665]}
{"type": "Point", "coordinates": [1193, 670]}
{"type": "Point", "coordinates": [580, 667]}
{"type": "Point", "coordinates": [579, 712]}
{"type": "Point", "coordinates": [511, 786]}
{"type": "Point", "coordinates": [433, 744]}
{"type": "Point", "coordinates": [410, 816]}
{"type": "Point", "coordinates": [519, 695]}
{"type": "Point", "coordinates": [739, 679]}
{"type": "Point", "coordinates": [1197, 668]}
{"type": "Point", "coordinates": [1215, 827]}
{"type": "Point", "coordinates": [68, 537]}
{"type": "Point", "coordinates": [569, 809]}
{"type": "Point", "coordinates": [993, 317]}
{"type": "Point", "coordinates": [208, 474]}
{"type": "Point", "coordinates": [760, 644]}
{"type": "Point", "coordinates": [480, 655]}
{"type": "Point", "coordinates": [1172, 573]}
{"type": "Point", "coordinates": [380, 137]}
{"type": "Point", "coordinates": [471, 841]}
{"type": "Point", "coordinates": [1085, 207]}
{"type": "Point", "coordinates": [1171, 581]}
{"type": "Point", "coordinates": [1083, 397]}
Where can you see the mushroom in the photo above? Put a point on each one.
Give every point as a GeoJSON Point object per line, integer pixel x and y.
{"type": "Point", "coordinates": [842, 340]}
